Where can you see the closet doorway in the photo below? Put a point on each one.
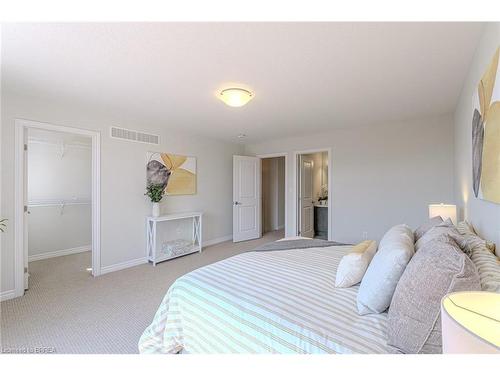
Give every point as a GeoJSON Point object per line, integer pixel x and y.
{"type": "Point", "coordinates": [273, 194]}
{"type": "Point", "coordinates": [57, 202]}
{"type": "Point", "coordinates": [313, 194]}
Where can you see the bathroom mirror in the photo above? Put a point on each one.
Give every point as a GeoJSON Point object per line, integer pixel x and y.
{"type": "Point", "coordinates": [324, 169]}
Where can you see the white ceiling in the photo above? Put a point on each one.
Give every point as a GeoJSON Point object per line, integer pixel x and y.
{"type": "Point", "coordinates": [306, 76]}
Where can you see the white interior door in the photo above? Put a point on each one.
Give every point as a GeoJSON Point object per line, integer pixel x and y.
{"type": "Point", "coordinates": [247, 205]}
{"type": "Point", "coordinates": [306, 205]}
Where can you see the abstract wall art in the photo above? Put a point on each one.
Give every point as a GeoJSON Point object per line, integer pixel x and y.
{"type": "Point", "coordinates": [486, 134]}
{"type": "Point", "coordinates": [177, 173]}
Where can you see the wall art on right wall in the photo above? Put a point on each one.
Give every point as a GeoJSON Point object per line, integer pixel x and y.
{"type": "Point", "coordinates": [486, 134]}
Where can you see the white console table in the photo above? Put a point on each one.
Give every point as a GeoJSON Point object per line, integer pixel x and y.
{"type": "Point", "coordinates": [183, 225]}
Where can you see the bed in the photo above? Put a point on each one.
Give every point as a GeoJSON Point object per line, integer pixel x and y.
{"type": "Point", "coordinates": [281, 301]}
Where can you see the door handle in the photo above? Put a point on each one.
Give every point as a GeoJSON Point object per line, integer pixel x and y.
{"type": "Point", "coordinates": [237, 203]}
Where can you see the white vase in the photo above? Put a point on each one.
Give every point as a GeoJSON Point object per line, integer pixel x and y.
{"type": "Point", "coordinates": [156, 209]}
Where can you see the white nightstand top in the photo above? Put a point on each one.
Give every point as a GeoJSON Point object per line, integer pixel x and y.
{"type": "Point", "coordinates": [181, 215]}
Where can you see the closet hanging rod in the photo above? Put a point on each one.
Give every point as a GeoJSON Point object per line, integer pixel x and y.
{"type": "Point", "coordinates": [58, 203]}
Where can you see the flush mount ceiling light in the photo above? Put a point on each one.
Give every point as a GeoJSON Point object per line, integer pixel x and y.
{"type": "Point", "coordinates": [235, 97]}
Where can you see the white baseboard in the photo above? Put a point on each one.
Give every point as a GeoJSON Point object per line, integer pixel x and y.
{"type": "Point", "coordinates": [215, 241]}
{"type": "Point", "coordinates": [8, 294]}
{"type": "Point", "coordinates": [58, 253]}
{"type": "Point", "coordinates": [138, 261]}
{"type": "Point", "coordinates": [123, 265]}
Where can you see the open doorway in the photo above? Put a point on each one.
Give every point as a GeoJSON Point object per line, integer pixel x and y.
{"type": "Point", "coordinates": [57, 202]}
{"type": "Point", "coordinates": [313, 188]}
{"type": "Point", "coordinates": [59, 189]}
{"type": "Point", "coordinates": [273, 194]}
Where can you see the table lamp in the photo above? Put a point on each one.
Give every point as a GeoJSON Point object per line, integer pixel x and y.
{"type": "Point", "coordinates": [470, 323]}
{"type": "Point", "coordinates": [444, 210]}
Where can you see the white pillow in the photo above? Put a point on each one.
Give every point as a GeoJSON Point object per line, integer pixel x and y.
{"type": "Point", "coordinates": [353, 265]}
{"type": "Point", "coordinates": [379, 282]}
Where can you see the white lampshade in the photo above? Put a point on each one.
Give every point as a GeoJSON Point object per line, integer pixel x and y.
{"type": "Point", "coordinates": [444, 210]}
{"type": "Point", "coordinates": [471, 323]}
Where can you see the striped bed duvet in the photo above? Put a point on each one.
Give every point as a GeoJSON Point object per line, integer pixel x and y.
{"type": "Point", "coordinates": [265, 302]}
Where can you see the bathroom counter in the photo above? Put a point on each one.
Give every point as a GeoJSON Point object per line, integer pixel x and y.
{"type": "Point", "coordinates": [320, 205]}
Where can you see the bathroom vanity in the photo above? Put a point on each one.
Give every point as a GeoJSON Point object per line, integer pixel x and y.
{"type": "Point", "coordinates": [321, 221]}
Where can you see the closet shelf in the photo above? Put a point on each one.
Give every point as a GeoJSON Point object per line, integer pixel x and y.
{"type": "Point", "coordinates": [60, 202]}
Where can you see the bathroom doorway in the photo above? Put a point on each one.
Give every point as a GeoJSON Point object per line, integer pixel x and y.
{"type": "Point", "coordinates": [313, 189]}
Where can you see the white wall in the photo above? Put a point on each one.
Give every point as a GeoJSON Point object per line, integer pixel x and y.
{"type": "Point", "coordinates": [123, 205]}
{"type": "Point", "coordinates": [54, 176]}
{"type": "Point", "coordinates": [485, 216]}
{"type": "Point", "coordinates": [381, 175]}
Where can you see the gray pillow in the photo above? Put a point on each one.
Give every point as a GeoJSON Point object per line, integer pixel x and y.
{"type": "Point", "coordinates": [446, 227]}
{"type": "Point", "coordinates": [438, 268]}
{"type": "Point", "coordinates": [425, 227]}
{"type": "Point", "coordinates": [380, 280]}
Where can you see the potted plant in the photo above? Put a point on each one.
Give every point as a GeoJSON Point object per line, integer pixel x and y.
{"type": "Point", "coordinates": [155, 193]}
{"type": "Point", "coordinates": [2, 225]}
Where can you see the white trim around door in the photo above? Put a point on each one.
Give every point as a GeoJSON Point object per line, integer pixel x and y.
{"type": "Point", "coordinates": [296, 190]}
{"type": "Point", "coordinates": [21, 127]}
{"type": "Point", "coordinates": [278, 155]}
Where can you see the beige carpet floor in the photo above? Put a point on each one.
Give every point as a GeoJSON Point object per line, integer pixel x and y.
{"type": "Point", "coordinates": [72, 312]}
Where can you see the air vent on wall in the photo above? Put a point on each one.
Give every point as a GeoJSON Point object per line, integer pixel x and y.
{"type": "Point", "coordinates": [134, 136]}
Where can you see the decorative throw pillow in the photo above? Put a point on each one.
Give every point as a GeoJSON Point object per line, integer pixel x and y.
{"type": "Point", "coordinates": [439, 267]}
{"type": "Point", "coordinates": [446, 227]}
{"type": "Point", "coordinates": [425, 227]}
{"type": "Point", "coordinates": [401, 231]}
{"type": "Point", "coordinates": [483, 256]}
{"type": "Point", "coordinates": [464, 227]}
{"type": "Point", "coordinates": [379, 282]}
{"type": "Point", "coordinates": [353, 265]}
{"type": "Point", "coordinates": [488, 267]}
{"type": "Point", "coordinates": [467, 230]}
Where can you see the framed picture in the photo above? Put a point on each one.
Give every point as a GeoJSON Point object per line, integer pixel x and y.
{"type": "Point", "coordinates": [486, 134]}
{"type": "Point", "coordinates": [177, 173]}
